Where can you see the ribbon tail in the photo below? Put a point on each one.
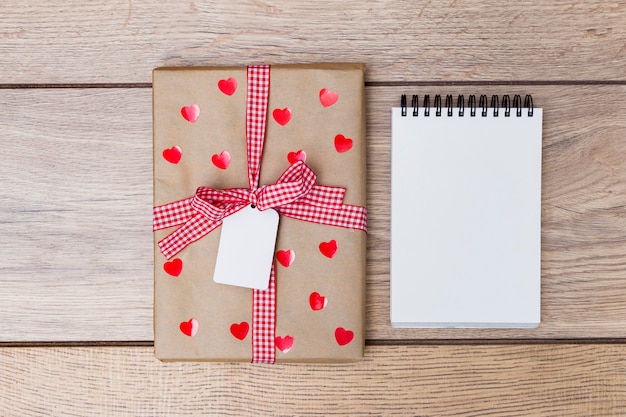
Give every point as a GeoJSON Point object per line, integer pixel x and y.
{"type": "Point", "coordinates": [196, 228]}
{"type": "Point", "coordinates": [324, 196]}
{"type": "Point", "coordinates": [264, 322]}
{"type": "Point", "coordinates": [172, 214]}
{"type": "Point", "coordinates": [348, 216]}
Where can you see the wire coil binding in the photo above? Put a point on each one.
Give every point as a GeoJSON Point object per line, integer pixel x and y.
{"type": "Point", "coordinates": [471, 104]}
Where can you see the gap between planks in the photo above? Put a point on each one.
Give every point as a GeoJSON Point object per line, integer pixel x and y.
{"type": "Point", "coordinates": [24, 86]}
{"type": "Point", "coordinates": [368, 342]}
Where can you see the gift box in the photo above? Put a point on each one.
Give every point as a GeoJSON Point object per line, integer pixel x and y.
{"type": "Point", "coordinates": [235, 140]}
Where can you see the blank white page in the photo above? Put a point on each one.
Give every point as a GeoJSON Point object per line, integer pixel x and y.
{"type": "Point", "coordinates": [466, 219]}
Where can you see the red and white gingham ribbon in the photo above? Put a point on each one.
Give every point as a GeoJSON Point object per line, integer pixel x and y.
{"type": "Point", "coordinates": [293, 195]}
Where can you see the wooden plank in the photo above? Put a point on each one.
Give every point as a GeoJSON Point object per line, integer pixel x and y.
{"type": "Point", "coordinates": [122, 40]}
{"type": "Point", "coordinates": [76, 203]}
{"type": "Point", "coordinates": [537, 380]}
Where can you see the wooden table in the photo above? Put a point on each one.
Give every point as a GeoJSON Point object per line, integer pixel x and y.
{"type": "Point", "coordinates": [75, 205]}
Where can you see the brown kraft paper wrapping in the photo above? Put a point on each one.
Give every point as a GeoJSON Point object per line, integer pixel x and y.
{"type": "Point", "coordinates": [221, 126]}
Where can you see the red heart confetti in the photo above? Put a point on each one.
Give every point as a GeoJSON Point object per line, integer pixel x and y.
{"type": "Point", "coordinates": [221, 160]}
{"type": "Point", "coordinates": [285, 257]}
{"type": "Point", "coordinates": [228, 86]}
{"type": "Point", "coordinates": [328, 97]}
{"type": "Point", "coordinates": [173, 267]}
{"type": "Point", "coordinates": [343, 336]}
{"type": "Point", "coordinates": [190, 113]}
{"type": "Point", "coordinates": [173, 154]}
{"type": "Point", "coordinates": [240, 331]}
{"type": "Point", "coordinates": [317, 301]}
{"type": "Point", "coordinates": [284, 344]}
{"type": "Point", "coordinates": [282, 116]}
{"type": "Point", "coordinates": [342, 143]}
{"type": "Point", "coordinates": [294, 157]}
{"type": "Point", "coordinates": [189, 328]}
{"type": "Point", "coordinates": [328, 249]}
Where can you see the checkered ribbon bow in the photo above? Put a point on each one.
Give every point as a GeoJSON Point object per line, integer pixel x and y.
{"type": "Point", "coordinates": [293, 195]}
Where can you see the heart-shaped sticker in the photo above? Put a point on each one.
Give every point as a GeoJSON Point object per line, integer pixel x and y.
{"type": "Point", "coordinates": [190, 113]}
{"type": "Point", "coordinates": [342, 143]}
{"type": "Point", "coordinates": [328, 97]}
{"type": "Point", "coordinates": [228, 86]}
{"type": "Point", "coordinates": [221, 160]}
{"type": "Point", "coordinates": [284, 344]}
{"type": "Point", "coordinates": [317, 301]}
{"type": "Point", "coordinates": [173, 267]}
{"type": "Point", "coordinates": [189, 328]}
{"type": "Point", "coordinates": [240, 330]}
{"type": "Point", "coordinates": [329, 248]}
{"type": "Point", "coordinates": [173, 154]}
{"type": "Point", "coordinates": [294, 157]}
{"type": "Point", "coordinates": [343, 336]}
{"type": "Point", "coordinates": [282, 116]}
{"type": "Point", "coordinates": [285, 257]}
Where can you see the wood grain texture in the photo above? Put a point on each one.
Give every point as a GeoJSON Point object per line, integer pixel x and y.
{"type": "Point", "coordinates": [76, 201]}
{"type": "Point", "coordinates": [122, 40]}
{"type": "Point", "coordinates": [75, 204]}
{"type": "Point", "coordinates": [562, 380]}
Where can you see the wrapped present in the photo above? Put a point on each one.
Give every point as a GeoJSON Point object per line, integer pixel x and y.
{"type": "Point", "coordinates": [234, 141]}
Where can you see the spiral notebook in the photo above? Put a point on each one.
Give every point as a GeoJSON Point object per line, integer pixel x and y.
{"type": "Point", "coordinates": [466, 213]}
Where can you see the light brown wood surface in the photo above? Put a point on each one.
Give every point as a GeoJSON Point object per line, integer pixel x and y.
{"type": "Point", "coordinates": [120, 41]}
{"type": "Point", "coordinates": [561, 380]}
{"type": "Point", "coordinates": [75, 204]}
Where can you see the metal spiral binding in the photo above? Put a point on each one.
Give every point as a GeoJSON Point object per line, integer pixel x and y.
{"type": "Point", "coordinates": [471, 104]}
{"type": "Point", "coordinates": [438, 105]}
{"type": "Point", "coordinates": [517, 103]}
{"type": "Point", "coordinates": [483, 104]}
{"type": "Point", "coordinates": [449, 104]}
{"type": "Point", "coordinates": [495, 105]}
{"type": "Point", "coordinates": [506, 103]}
{"type": "Point", "coordinates": [415, 104]}
{"type": "Point", "coordinates": [528, 103]}
{"type": "Point", "coordinates": [403, 104]}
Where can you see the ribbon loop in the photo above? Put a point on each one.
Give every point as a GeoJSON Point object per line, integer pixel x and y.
{"type": "Point", "coordinates": [296, 181]}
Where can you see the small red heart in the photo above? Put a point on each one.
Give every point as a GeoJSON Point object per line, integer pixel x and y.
{"type": "Point", "coordinates": [284, 344]}
{"type": "Point", "coordinates": [173, 154]}
{"type": "Point", "coordinates": [342, 143]}
{"type": "Point", "coordinates": [285, 257]}
{"type": "Point", "coordinates": [190, 113]}
{"type": "Point", "coordinates": [328, 97]}
{"type": "Point", "coordinates": [294, 157]}
{"type": "Point", "coordinates": [343, 336]}
{"type": "Point", "coordinates": [282, 116]}
{"type": "Point", "coordinates": [228, 86]}
{"type": "Point", "coordinates": [328, 249]}
{"type": "Point", "coordinates": [221, 160]}
{"type": "Point", "coordinates": [173, 267]}
{"type": "Point", "coordinates": [317, 301]}
{"type": "Point", "coordinates": [190, 328]}
{"type": "Point", "coordinates": [240, 331]}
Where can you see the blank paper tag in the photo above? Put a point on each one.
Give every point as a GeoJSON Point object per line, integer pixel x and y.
{"type": "Point", "coordinates": [246, 251]}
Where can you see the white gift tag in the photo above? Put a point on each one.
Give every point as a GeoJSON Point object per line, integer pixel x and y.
{"type": "Point", "coordinates": [246, 250]}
